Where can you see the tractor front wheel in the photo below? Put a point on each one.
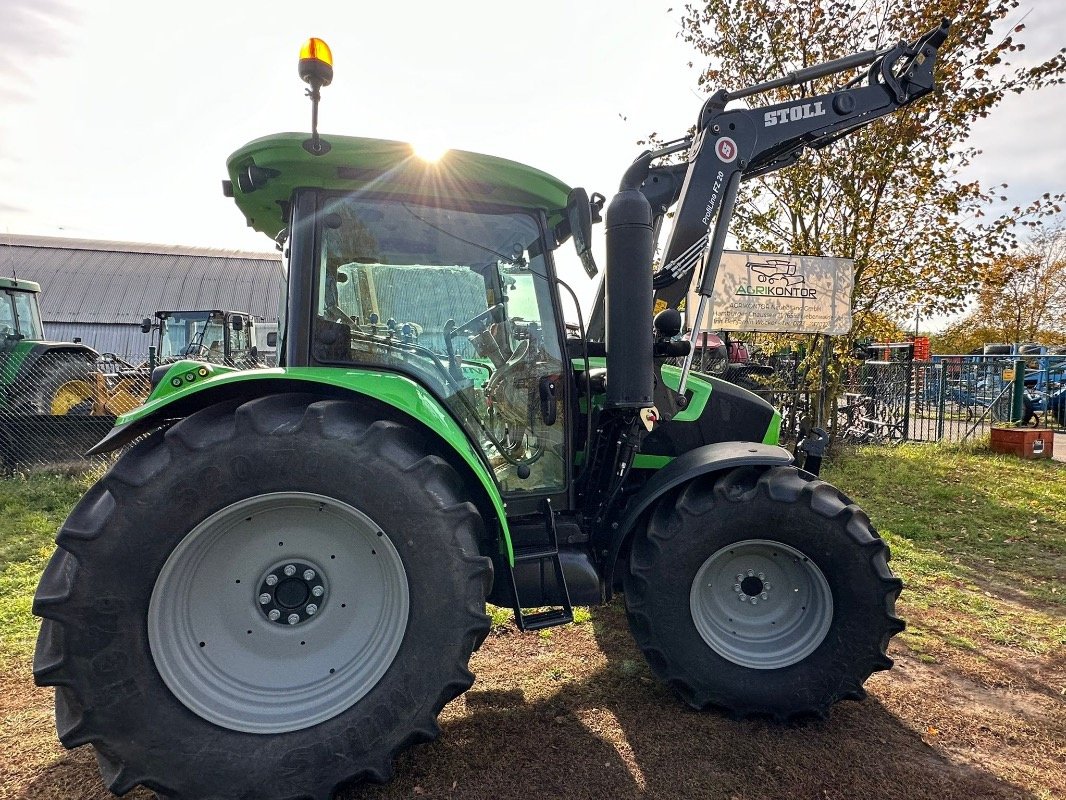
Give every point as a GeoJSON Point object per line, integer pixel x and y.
{"type": "Point", "coordinates": [763, 592]}
{"type": "Point", "coordinates": [267, 600]}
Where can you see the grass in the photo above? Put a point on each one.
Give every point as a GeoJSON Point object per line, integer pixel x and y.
{"type": "Point", "coordinates": [978, 539]}
{"type": "Point", "coordinates": [32, 509]}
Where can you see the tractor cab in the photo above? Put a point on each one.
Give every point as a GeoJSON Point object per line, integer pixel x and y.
{"type": "Point", "coordinates": [20, 315]}
{"type": "Point", "coordinates": [438, 270]}
{"type": "Point", "coordinates": [219, 337]}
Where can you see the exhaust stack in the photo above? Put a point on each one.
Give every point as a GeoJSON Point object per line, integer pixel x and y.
{"type": "Point", "coordinates": [629, 298]}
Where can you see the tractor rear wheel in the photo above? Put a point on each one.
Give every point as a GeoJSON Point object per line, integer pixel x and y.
{"type": "Point", "coordinates": [59, 385]}
{"type": "Point", "coordinates": [766, 592]}
{"type": "Point", "coordinates": [267, 600]}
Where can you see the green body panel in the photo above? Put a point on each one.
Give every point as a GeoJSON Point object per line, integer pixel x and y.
{"type": "Point", "coordinates": [355, 164]}
{"type": "Point", "coordinates": [701, 392]}
{"type": "Point", "coordinates": [396, 390]}
{"type": "Point", "coordinates": [773, 431]}
{"type": "Point", "coordinates": [11, 362]}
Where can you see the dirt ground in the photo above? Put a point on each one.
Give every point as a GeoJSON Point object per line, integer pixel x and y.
{"type": "Point", "coordinates": [577, 714]}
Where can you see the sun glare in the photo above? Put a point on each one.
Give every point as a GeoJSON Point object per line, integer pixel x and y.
{"type": "Point", "coordinates": [429, 150]}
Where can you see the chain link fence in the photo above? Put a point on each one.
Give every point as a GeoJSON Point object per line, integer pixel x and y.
{"type": "Point", "coordinates": [55, 405]}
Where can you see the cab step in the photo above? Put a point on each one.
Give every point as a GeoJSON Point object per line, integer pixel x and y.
{"type": "Point", "coordinates": [545, 556]}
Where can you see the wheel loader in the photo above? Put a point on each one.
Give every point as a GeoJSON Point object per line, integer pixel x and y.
{"type": "Point", "coordinates": [278, 586]}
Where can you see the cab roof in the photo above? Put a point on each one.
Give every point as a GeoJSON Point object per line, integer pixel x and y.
{"type": "Point", "coordinates": [381, 166]}
{"type": "Point", "coordinates": [19, 285]}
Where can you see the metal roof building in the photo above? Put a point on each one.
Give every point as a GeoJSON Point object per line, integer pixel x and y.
{"type": "Point", "coordinates": [101, 290]}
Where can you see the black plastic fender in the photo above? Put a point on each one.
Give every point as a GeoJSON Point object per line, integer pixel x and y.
{"type": "Point", "coordinates": [716, 457]}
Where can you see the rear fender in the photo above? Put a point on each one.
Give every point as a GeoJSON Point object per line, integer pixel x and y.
{"type": "Point", "coordinates": [388, 395]}
{"type": "Point", "coordinates": [38, 350]}
{"type": "Point", "coordinates": [712, 458]}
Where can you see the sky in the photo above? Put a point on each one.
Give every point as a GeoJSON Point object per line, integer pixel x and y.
{"type": "Point", "coordinates": [116, 118]}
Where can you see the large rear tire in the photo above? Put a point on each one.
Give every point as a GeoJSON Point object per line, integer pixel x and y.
{"type": "Point", "coordinates": [266, 601]}
{"type": "Point", "coordinates": [766, 592]}
{"type": "Point", "coordinates": [59, 384]}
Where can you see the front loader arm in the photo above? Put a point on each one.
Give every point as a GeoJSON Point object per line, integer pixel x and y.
{"type": "Point", "coordinates": [738, 144]}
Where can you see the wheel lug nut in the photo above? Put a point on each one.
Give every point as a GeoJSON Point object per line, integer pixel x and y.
{"type": "Point", "coordinates": [271, 580]}
{"type": "Point", "coordinates": [763, 595]}
{"type": "Point", "coordinates": [274, 615]}
{"type": "Point", "coordinates": [736, 587]}
{"type": "Point", "coordinates": [264, 598]}
{"type": "Point", "coordinates": [293, 619]}
{"type": "Point", "coordinates": [311, 609]}
{"type": "Point", "coordinates": [740, 576]}
{"type": "Point", "coordinates": [290, 570]}
{"type": "Point", "coordinates": [755, 601]}
{"type": "Point", "coordinates": [318, 591]}
{"type": "Point", "coordinates": [766, 586]}
{"type": "Point", "coordinates": [309, 574]}
{"type": "Point", "coordinates": [761, 576]}
{"type": "Point", "coordinates": [751, 573]}
{"type": "Point", "coordinates": [742, 598]}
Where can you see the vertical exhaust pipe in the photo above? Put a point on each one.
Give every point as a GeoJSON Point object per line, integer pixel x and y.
{"type": "Point", "coordinates": [629, 297]}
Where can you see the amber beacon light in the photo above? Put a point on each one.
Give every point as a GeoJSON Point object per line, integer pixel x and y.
{"type": "Point", "coordinates": [316, 63]}
{"type": "Point", "coordinates": [316, 70]}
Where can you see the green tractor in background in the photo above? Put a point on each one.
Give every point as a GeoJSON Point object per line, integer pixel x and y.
{"type": "Point", "coordinates": [39, 377]}
{"type": "Point", "coordinates": [277, 588]}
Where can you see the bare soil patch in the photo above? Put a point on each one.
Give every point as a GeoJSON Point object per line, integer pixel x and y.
{"type": "Point", "coordinates": [577, 714]}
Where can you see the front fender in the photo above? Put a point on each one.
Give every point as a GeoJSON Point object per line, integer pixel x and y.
{"type": "Point", "coordinates": [717, 457]}
{"type": "Point", "coordinates": [412, 400]}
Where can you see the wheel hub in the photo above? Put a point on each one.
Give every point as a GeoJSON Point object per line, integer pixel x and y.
{"type": "Point", "coordinates": [752, 587]}
{"type": "Point", "coordinates": [291, 592]}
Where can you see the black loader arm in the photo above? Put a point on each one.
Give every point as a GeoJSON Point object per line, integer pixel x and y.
{"type": "Point", "coordinates": [738, 144]}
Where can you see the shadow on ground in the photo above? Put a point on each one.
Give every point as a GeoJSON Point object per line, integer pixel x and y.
{"type": "Point", "coordinates": [578, 715]}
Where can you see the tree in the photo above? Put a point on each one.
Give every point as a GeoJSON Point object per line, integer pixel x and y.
{"type": "Point", "coordinates": [889, 197]}
{"type": "Point", "coordinates": [1022, 298]}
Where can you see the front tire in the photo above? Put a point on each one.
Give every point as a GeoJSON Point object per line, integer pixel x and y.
{"type": "Point", "coordinates": [765, 592]}
{"type": "Point", "coordinates": [179, 630]}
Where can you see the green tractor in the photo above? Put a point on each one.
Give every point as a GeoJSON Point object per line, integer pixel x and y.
{"type": "Point", "coordinates": [277, 588]}
{"type": "Point", "coordinates": [37, 376]}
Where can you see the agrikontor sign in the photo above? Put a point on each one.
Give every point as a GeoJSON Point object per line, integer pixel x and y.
{"type": "Point", "coordinates": [781, 294]}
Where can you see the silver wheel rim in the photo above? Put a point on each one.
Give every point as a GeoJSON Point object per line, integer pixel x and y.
{"type": "Point", "coordinates": [227, 661]}
{"type": "Point", "coordinates": [761, 604]}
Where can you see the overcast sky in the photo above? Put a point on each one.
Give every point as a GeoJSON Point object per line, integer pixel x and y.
{"type": "Point", "coordinates": [116, 117]}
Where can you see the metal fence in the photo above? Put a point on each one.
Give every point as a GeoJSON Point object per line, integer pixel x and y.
{"type": "Point", "coordinates": [950, 398]}
{"type": "Point", "coordinates": [54, 407]}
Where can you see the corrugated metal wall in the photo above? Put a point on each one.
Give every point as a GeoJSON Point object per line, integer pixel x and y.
{"type": "Point", "coordinates": [101, 290]}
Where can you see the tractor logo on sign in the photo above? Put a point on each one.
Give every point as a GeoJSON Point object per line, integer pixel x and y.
{"type": "Point", "coordinates": [726, 149]}
{"type": "Point", "coordinates": [776, 277]}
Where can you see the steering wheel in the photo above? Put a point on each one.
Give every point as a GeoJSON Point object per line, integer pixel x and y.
{"type": "Point", "coordinates": [491, 314]}
{"type": "Point", "coordinates": [196, 349]}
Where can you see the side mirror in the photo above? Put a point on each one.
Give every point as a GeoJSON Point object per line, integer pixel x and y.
{"type": "Point", "coordinates": [579, 215]}
{"type": "Point", "coordinates": [146, 325]}
{"type": "Point", "coordinates": [272, 339]}
{"type": "Point", "coordinates": [237, 323]}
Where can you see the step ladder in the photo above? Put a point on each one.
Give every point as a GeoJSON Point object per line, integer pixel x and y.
{"type": "Point", "coordinates": [539, 554]}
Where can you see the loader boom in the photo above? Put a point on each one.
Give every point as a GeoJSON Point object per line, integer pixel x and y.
{"type": "Point", "coordinates": [730, 146]}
